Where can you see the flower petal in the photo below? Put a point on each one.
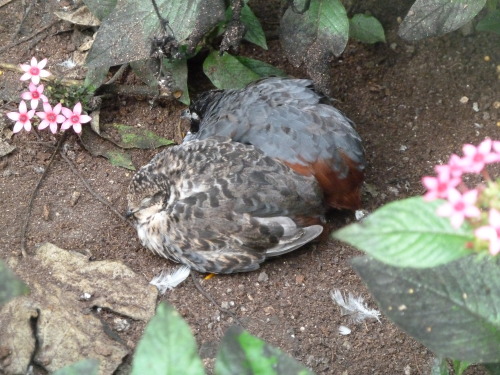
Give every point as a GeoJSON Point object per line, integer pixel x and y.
{"type": "Point", "coordinates": [17, 127]}
{"type": "Point", "coordinates": [35, 79]}
{"type": "Point", "coordinates": [67, 112]}
{"type": "Point", "coordinates": [43, 124]}
{"type": "Point", "coordinates": [42, 64]}
{"type": "Point", "coordinates": [77, 128]}
{"type": "Point", "coordinates": [33, 61]}
{"type": "Point", "coordinates": [78, 108]}
{"type": "Point", "coordinates": [84, 119]}
{"type": "Point", "coordinates": [66, 125]}
{"type": "Point", "coordinates": [14, 116]}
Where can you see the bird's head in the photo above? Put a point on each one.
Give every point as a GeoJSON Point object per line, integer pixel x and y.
{"type": "Point", "coordinates": [146, 197]}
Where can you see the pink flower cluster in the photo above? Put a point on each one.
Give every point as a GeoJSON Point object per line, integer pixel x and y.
{"type": "Point", "coordinates": [467, 204]}
{"type": "Point", "coordinates": [50, 117]}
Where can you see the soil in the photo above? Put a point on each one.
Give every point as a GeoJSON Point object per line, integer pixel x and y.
{"type": "Point", "coordinates": [406, 102]}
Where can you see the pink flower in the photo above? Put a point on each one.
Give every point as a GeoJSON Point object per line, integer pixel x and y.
{"type": "Point", "coordinates": [439, 187]}
{"type": "Point", "coordinates": [459, 206]}
{"type": "Point", "coordinates": [456, 168]}
{"type": "Point", "coordinates": [75, 118]}
{"type": "Point", "coordinates": [35, 94]}
{"type": "Point", "coordinates": [475, 158]}
{"type": "Point", "coordinates": [50, 117]}
{"type": "Point", "coordinates": [34, 71]}
{"type": "Point", "coordinates": [491, 232]}
{"type": "Point", "coordinates": [22, 118]}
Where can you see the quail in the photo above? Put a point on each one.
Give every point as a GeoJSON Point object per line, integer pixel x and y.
{"type": "Point", "coordinates": [221, 206]}
{"type": "Point", "coordinates": [291, 122]}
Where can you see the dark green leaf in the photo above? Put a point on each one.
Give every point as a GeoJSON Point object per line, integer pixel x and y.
{"type": "Point", "coordinates": [179, 72]}
{"type": "Point", "coordinates": [167, 347]}
{"type": "Point", "coordinates": [366, 29]}
{"type": "Point", "coordinates": [228, 71]}
{"type": "Point", "coordinates": [254, 33]}
{"type": "Point", "coordinates": [408, 233]}
{"type": "Point", "coordinates": [241, 353]}
{"type": "Point", "coordinates": [322, 30]}
{"type": "Point", "coordinates": [95, 77]}
{"type": "Point", "coordinates": [452, 309]}
{"type": "Point", "coordinates": [126, 34]}
{"type": "Point", "coordinates": [130, 137]}
{"type": "Point", "coordinates": [98, 146]}
{"type": "Point", "coordinates": [490, 22]}
{"type": "Point", "coordinates": [493, 368]}
{"type": "Point", "coordinates": [100, 8]}
{"type": "Point", "coordinates": [428, 18]}
{"type": "Point", "coordinates": [10, 285]}
{"type": "Point", "coordinates": [85, 367]}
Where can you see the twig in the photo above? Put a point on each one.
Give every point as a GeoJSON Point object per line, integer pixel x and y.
{"type": "Point", "coordinates": [20, 41]}
{"type": "Point", "coordinates": [5, 2]}
{"type": "Point", "coordinates": [24, 228]}
{"type": "Point", "coordinates": [207, 295]}
{"type": "Point", "coordinates": [117, 75]}
{"type": "Point", "coordinates": [27, 11]}
{"type": "Point", "coordinates": [92, 191]}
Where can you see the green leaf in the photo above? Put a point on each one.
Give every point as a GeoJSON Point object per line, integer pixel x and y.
{"type": "Point", "coordinates": [126, 34]}
{"type": "Point", "coordinates": [130, 137]}
{"type": "Point", "coordinates": [179, 72]}
{"type": "Point", "coordinates": [242, 353]}
{"type": "Point", "coordinates": [100, 8]}
{"type": "Point", "coordinates": [228, 71]}
{"type": "Point", "coordinates": [408, 233]}
{"type": "Point", "coordinates": [167, 347]}
{"type": "Point", "coordinates": [321, 31]}
{"type": "Point", "coordinates": [10, 285]}
{"type": "Point", "coordinates": [254, 33]}
{"type": "Point", "coordinates": [493, 368]}
{"type": "Point", "coordinates": [490, 22]}
{"type": "Point", "coordinates": [460, 366]}
{"type": "Point", "coordinates": [452, 309]}
{"type": "Point", "coordinates": [366, 29]}
{"type": "Point", "coordinates": [98, 146]}
{"type": "Point", "coordinates": [84, 367]}
{"type": "Point", "coordinates": [95, 77]}
{"type": "Point", "coordinates": [428, 18]}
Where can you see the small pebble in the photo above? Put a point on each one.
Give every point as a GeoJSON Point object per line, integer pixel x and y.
{"type": "Point", "coordinates": [74, 198]}
{"type": "Point", "coordinates": [343, 330]}
{"type": "Point", "coordinates": [487, 58]}
{"type": "Point", "coordinates": [464, 100]}
{"type": "Point", "coordinates": [299, 279]}
{"type": "Point", "coordinates": [475, 107]}
{"type": "Point", "coordinates": [263, 277]}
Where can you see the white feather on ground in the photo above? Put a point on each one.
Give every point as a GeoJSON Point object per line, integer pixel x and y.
{"type": "Point", "coordinates": [169, 280]}
{"type": "Point", "coordinates": [343, 330]}
{"type": "Point", "coordinates": [355, 307]}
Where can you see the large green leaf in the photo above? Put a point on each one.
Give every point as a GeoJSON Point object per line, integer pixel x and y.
{"type": "Point", "coordinates": [254, 33]}
{"type": "Point", "coordinates": [490, 22]}
{"type": "Point", "coordinates": [428, 18]}
{"type": "Point", "coordinates": [228, 71]}
{"type": "Point", "coordinates": [366, 29]}
{"type": "Point", "coordinates": [125, 136]}
{"type": "Point", "coordinates": [408, 233]}
{"type": "Point", "coordinates": [167, 347]}
{"type": "Point", "coordinates": [10, 285]}
{"type": "Point", "coordinates": [98, 146]}
{"type": "Point", "coordinates": [321, 31]}
{"type": "Point", "coordinates": [85, 367]}
{"type": "Point", "coordinates": [452, 309]}
{"type": "Point", "coordinates": [241, 353]}
{"type": "Point", "coordinates": [100, 8]}
{"type": "Point", "coordinates": [179, 73]}
{"type": "Point", "coordinates": [126, 34]}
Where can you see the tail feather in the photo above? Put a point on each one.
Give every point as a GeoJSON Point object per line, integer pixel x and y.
{"type": "Point", "coordinates": [288, 244]}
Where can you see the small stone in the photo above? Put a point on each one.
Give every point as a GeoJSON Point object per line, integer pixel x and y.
{"type": "Point", "coordinates": [46, 212]}
{"type": "Point", "coordinates": [85, 296]}
{"type": "Point", "coordinates": [269, 310]}
{"type": "Point", "coordinates": [486, 116]}
{"type": "Point", "coordinates": [487, 58]}
{"type": "Point", "coordinates": [224, 305]}
{"type": "Point", "coordinates": [74, 198]}
{"type": "Point", "coordinates": [464, 100]}
{"type": "Point", "coordinates": [393, 46]}
{"type": "Point", "coordinates": [263, 277]}
{"type": "Point", "coordinates": [475, 107]}
{"type": "Point", "coordinates": [299, 279]}
{"type": "Point", "coordinates": [496, 104]}
{"type": "Point", "coordinates": [121, 324]}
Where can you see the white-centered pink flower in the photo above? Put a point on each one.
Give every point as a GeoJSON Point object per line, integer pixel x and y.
{"type": "Point", "coordinates": [34, 94]}
{"type": "Point", "coordinates": [439, 187]}
{"type": "Point", "coordinates": [74, 118]}
{"type": "Point", "coordinates": [459, 206]}
{"type": "Point", "coordinates": [22, 118]}
{"type": "Point", "coordinates": [491, 232]}
{"type": "Point", "coordinates": [475, 158]}
{"type": "Point", "coordinates": [51, 117]}
{"type": "Point", "coordinates": [34, 71]}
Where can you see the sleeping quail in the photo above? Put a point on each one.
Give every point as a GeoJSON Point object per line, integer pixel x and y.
{"type": "Point", "coordinates": [221, 206]}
